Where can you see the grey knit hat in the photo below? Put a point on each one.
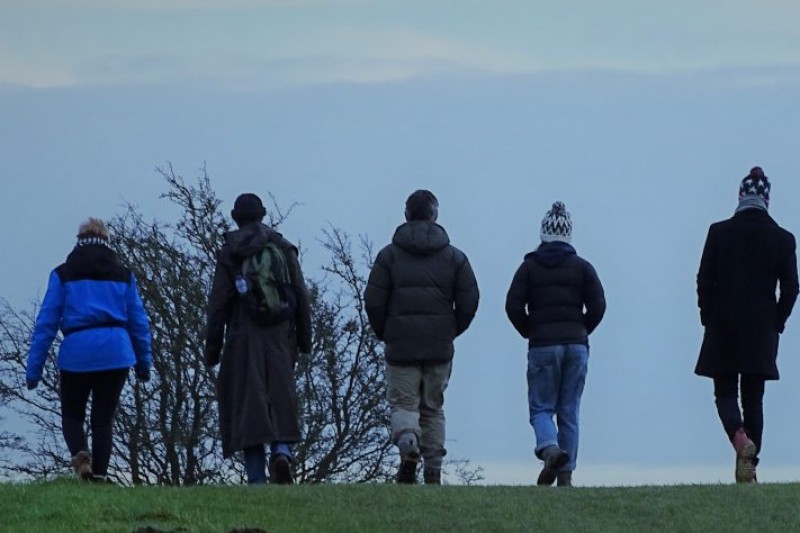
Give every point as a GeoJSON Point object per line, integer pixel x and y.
{"type": "Point", "coordinates": [557, 224]}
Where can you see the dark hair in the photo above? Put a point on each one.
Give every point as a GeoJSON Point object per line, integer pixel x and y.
{"type": "Point", "coordinates": [422, 205]}
{"type": "Point", "coordinates": [247, 208]}
{"type": "Point", "coordinates": [757, 173]}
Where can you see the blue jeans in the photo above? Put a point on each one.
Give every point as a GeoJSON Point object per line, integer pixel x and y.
{"type": "Point", "coordinates": [556, 376]}
{"type": "Point", "coordinates": [255, 460]}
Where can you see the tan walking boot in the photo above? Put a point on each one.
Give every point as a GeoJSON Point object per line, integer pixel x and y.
{"type": "Point", "coordinates": [82, 463]}
{"type": "Point", "coordinates": [745, 457]}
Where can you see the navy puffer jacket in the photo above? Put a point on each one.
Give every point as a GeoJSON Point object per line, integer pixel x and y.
{"type": "Point", "coordinates": [555, 297]}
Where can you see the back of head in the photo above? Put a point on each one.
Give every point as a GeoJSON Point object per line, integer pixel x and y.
{"type": "Point", "coordinates": [248, 208]}
{"type": "Point", "coordinates": [422, 205]}
{"type": "Point", "coordinates": [556, 224]}
{"type": "Point", "coordinates": [755, 184]}
{"type": "Point", "coordinates": [93, 228]}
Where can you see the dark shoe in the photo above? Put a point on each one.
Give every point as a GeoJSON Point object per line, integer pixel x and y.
{"type": "Point", "coordinates": [554, 458]}
{"type": "Point", "coordinates": [432, 476]}
{"type": "Point", "coordinates": [82, 463]}
{"type": "Point", "coordinates": [407, 473]}
{"type": "Point", "coordinates": [280, 470]}
{"type": "Point", "coordinates": [564, 479]}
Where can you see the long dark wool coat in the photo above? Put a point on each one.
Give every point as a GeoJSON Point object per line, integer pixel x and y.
{"type": "Point", "coordinates": [256, 389]}
{"type": "Point", "coordinates": [744, 260]}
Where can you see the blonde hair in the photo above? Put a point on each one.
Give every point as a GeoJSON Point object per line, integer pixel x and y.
{"type": "Point", "coordinates": [93, 227]}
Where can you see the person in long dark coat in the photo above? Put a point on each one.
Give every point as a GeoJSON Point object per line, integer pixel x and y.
{"type": "Point", "coordinates": [256, 388]}
{"type": "Point", "coordinates": [744, 260]}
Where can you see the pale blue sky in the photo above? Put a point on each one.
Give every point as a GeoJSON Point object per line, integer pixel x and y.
{"type": "Point", "coordinates": [641, 119]}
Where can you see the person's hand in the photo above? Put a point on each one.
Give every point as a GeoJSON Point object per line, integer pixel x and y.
{"type": "Point", "coordinates": [211, 360]}
{"type": "Point", "coordinates": [142, 374]}
{"type": "Point", "coordinates": [31, 383]}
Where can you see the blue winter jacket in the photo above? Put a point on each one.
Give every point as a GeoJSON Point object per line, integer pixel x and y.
{"type": "Point", "coordinates": [95, 303]}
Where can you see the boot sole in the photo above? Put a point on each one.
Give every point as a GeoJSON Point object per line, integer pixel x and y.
{"type": "Point", "coordinates": [549, 473]}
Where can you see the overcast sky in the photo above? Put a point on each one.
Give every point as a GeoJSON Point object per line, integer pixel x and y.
{"type": "Point", "coordinates": [641, 118]}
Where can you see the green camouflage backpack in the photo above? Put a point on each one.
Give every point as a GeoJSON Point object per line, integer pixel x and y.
{"type": "Point", "coordinates": [269, 295]}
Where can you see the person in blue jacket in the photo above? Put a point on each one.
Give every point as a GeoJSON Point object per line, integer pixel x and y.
{"type": "Point", "coordinates": [95, 303]}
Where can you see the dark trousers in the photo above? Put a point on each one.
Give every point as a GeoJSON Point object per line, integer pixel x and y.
{"type": "Point", "coordinates": [105, 388]}
{"type": "Point", "coordinates": [751, 416]}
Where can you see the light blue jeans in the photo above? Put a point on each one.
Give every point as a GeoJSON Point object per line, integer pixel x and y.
{"type": "Point", "coordinates": [556, 376]}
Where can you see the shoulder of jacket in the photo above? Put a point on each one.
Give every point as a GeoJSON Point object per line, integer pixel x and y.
{"type": "Point", "coordinates": [386, 254]}
{"type": "Point", "coordinates": [60, 271]}
{"type": "Point", "coordinates": [586, 264]}
{"type": "Point", "coordinates": [787, 235]}
{"type": "Point", "coordinates": [457, 255]}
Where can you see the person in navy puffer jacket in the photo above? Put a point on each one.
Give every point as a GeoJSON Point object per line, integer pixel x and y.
{"type": "Point", "coordinates": [95, 303]}
{"type": "Point", "coordinates": [556, 301]}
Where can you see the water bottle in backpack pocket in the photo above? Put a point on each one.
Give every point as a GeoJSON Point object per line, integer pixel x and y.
{"type": "Point", "coordinates": [268, 292]}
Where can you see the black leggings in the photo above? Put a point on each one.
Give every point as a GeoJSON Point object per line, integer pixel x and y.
{"type": "Point", "coordinates": [751, 417]}
{"type": "Point", "coordinates": [105, 388]}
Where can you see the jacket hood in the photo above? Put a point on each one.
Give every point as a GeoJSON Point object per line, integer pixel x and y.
{"type": "Point", "coordinates": [421, 237]}
{"type": "Point", "coordinates": [249, 239]}
{"type": "Point", "coordinates": [93, 260]}
{"type": "Point", "coordinates": [552, 254]}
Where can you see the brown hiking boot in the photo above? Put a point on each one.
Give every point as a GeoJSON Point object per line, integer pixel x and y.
{"type": "Point", "coordinates": [554, 458]}
{"type": "Point", "coordinates": [564, 479]}
{"type": "Point", "coordinates": [432, 476]}
{"type": "Point", "coordinates": [745, 457]}
{"type": "Point", "coordinates": [82, 463]}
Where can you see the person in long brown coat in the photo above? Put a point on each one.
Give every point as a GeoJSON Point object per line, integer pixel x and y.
{"type": "Point", "coordinates": [744, 260]}
{"type": "Point", "coordinates": [256, 388]}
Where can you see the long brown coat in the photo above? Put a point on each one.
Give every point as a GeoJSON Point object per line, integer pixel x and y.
{"type": "Point", "coordinates": [256, 389]}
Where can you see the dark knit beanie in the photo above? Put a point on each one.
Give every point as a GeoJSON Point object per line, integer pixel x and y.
{"type": "Point", "coordinates": [557, 224]}
{"type": "Point", "coordinates": [422, 205]}
{"type": "Point", "coordinates": [247, 208]}
{"type": "Point", "coordinates": [755, 184]}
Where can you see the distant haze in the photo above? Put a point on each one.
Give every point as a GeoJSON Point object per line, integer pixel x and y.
{"type": "Point", "coordinates": [642, 122]}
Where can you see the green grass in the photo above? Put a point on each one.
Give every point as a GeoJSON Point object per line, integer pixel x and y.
{"type": "Point", "coordinates": [68, 505]}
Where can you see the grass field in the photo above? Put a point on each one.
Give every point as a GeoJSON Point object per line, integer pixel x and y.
{"type": "Point", "coordinates": [68, 505]}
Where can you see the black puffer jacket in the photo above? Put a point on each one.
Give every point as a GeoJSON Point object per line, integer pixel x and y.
{"type": "Point", "coordinates": [549, 293]}
{"type": "Point", "coordinates": [421, 295]}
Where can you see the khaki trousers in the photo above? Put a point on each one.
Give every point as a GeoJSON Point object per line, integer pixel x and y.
{"type": "Point", "coordinates": [416, 400]}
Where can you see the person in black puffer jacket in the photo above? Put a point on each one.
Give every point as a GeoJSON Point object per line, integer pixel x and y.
{"type": "Point", "coordinates": [556, 301]}
{"type": "Point", "coordinates": [420, 296]}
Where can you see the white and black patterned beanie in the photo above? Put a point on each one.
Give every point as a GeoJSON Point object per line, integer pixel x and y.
{"type": "Point", "coordinates": [557, 224]}
{"type": "Point", "coordinates": [93, 231]}
{"type": "Point", "coordinates": [755, 184]}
